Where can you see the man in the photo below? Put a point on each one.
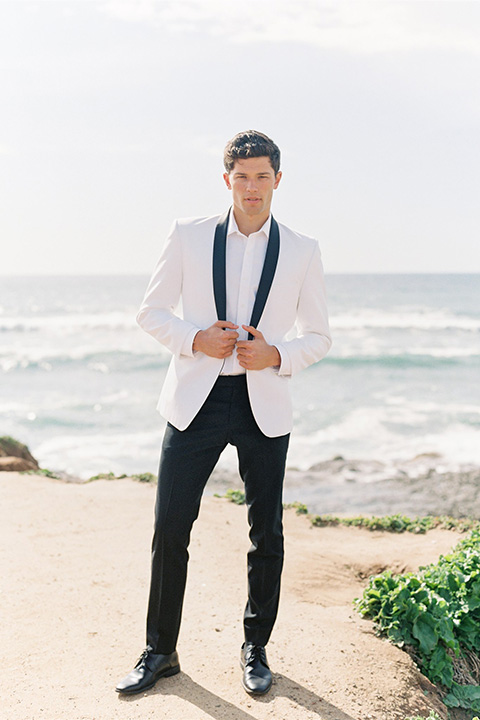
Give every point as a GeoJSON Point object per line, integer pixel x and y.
{"type": "Point", "coordinates": [244, 282]}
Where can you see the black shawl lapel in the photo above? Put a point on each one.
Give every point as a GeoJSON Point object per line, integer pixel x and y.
{"type": "Point", "coordinates": [219, 270]}
{"type": "Point", "coordinates": [268, 272]}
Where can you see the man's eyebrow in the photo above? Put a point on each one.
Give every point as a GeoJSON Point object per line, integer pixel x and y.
{"type": "Point", "coordinates": [243, 174]}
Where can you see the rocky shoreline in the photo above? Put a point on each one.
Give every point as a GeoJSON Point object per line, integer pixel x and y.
{"type": "Point", "coordinates": [424, 485]}
{"type": "Point", "coordinates": [15, 457]}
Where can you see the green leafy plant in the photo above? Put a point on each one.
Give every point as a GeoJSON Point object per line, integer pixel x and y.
{"type": "Point", "coordinates": [299, 507]}
{"type": "Point", "coordinates": [236, 496]}
{"type": "Point", "coordinates": [397, 523]}
{"type": "Point", "coordinates": [435, 615]}
{"type": "Point", "coordinates": [387, 523]}
{"type": "Point", "coordinates": [433, 716]}
{"type": "Point", "coordinates": [42, 471]}
{"type": "Point", "coordinates": [45, 472]}
{"type": "Point", "coordinates": [141, 477]}
{"type": "Point", "coordinates": [106, 476]}
{"type": "Point", "coordinates": [147, 477]}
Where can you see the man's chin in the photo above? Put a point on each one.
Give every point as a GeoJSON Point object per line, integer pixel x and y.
{"type": "Point", "coordinates": [253, 210]}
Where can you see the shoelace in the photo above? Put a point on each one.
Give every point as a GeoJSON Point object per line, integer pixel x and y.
{"type": "Point", "coordinates": [256, 652]}
{"type": "Point", "coordinates": [143, 656]}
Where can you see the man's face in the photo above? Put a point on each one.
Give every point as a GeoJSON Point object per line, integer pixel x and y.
{"type": "Point", "coordinates": [252, 182]}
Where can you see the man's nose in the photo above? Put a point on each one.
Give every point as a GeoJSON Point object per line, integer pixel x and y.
{"type": "Point", "coordinates": [251, 184]}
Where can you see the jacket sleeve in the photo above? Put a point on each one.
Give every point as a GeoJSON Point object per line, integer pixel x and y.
{"type": "Point", "coordinates": [157, 314]}
{"type": "Point", "coordinates": [313, 340]}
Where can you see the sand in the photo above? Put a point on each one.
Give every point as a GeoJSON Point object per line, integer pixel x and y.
{"type": "Point", "coordinates": [74, 569]}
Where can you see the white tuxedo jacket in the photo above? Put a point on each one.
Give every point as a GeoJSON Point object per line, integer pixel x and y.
{"type": "Point", "coordinates": [180, 301]}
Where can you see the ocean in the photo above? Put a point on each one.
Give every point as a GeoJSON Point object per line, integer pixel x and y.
{"type": "Point", "coordinates": [79, 381]}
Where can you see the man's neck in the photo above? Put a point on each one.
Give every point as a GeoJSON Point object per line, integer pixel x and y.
{"type": "Point", "coordinates": [248, 224]}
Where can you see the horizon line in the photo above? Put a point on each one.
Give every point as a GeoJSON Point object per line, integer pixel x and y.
{"type": "Point", "coordinates": [147, 274]}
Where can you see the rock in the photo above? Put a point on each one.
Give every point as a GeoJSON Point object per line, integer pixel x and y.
{"type": "Point", "coordinates": [11, 448]}
{"type": "Point", "coordinates": [421, 457]}
{"type": "Point", "coordinates": [16, 464]}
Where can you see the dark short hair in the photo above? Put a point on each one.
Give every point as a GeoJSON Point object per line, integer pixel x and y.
{"type": "Point", "coordinates": [251, 144]}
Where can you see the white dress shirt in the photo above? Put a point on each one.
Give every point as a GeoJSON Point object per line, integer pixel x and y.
{"type": "Point", "coordinates": [244, 263]}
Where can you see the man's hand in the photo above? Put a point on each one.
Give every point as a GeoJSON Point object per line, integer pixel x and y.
{"type": "Point", "coordinates": [256, 354]}
{"type": "Point", "coordinates": [218, 340]}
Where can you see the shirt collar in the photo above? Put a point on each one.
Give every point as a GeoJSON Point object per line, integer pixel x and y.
{"type": "Point", "coordinates": [233, 227]}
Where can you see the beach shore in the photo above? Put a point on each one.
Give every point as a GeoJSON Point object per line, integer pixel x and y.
{"type": "Point", "coordinates": [74, 569]}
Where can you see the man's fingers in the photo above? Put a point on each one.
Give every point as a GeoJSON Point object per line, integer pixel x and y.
{"type": "Point", "coordinates": [225, 324]}
{"type": "Point", "coordinates": [230, 341]}
{"type": "Point", "coordinates": [253, 331]}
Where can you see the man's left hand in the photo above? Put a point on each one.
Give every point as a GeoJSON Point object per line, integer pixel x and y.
{"type": "Point", "coordinates": [256, 354]}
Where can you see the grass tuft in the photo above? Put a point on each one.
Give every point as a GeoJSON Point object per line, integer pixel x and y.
{"type": "Point", "coordinates": [106, 476]}
{"type": "Point", "coordinates": [299, 507]}
{"type": "Point", "coordinates": [235, 496]}
{"type": "Point", "coordinates": [146, 477]}
{"type": "Point", "coordinates": [42, 471]}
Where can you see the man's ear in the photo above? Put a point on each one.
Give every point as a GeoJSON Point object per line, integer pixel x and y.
{"type": "Point", "coordinates": [226, 177]}
{"type": "Point", "coordinates": [278, 177]}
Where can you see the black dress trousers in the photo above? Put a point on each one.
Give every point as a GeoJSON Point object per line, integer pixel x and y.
{"type": "Point", "coordinates": [187, 460]}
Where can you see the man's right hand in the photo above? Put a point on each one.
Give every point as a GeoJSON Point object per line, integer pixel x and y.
{"type": "Point", "coordinates": [216, 341]}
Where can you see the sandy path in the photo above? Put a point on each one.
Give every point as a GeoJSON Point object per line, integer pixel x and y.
{"type": "Point", "coordinates": [74, 565]}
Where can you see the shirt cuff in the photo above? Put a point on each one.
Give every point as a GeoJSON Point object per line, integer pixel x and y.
{"type": "Point", "coordinates": [285, 368]}
{"type": "Point", "coordinates": [187, 345]}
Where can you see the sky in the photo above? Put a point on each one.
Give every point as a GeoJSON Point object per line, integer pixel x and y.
{"type": "Point", "coordinates": [115, 115]}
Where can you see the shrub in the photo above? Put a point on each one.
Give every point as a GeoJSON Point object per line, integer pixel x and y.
{"type": "Point", "coordinates": [435, 615]}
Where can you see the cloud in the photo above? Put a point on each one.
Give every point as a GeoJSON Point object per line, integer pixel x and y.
{"type": "Point", "coordinates": [358, 26]}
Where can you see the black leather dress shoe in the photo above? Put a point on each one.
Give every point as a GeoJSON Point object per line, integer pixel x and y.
{"type": "Point", "coordinates": [257, 678]}
{"type": "Point", "coordinates": [149, 668]}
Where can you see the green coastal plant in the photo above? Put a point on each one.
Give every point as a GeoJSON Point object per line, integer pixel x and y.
{"type": "Point", "coordinates": [43, 471]}
{"type": "Point", "coordinates": [235, 496]}
{"type": "Point", "coordinates": [397, 523]}
{"type": "Point", "coordinates": [435, 615]}
{"type": "Point", "coordinates": [388, 523]}
{"type": "Point", "coordinates": [147, 477]}
{"type": "Point", "coordinates": [299, 507]}
{"type": "Point", "coordinates": [238, 497]}
{"type": "Point", "coordinates": [106, 476]}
